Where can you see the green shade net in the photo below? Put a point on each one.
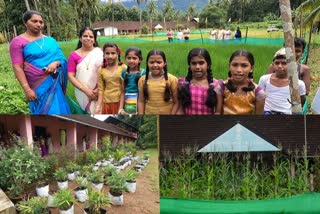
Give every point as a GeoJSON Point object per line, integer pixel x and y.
{"type": "Point", "coordinates": [299, 204]}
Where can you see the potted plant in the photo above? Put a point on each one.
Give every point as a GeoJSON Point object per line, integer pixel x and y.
{"type": "Point", "coordinates": [96, 201]}
{"type": "Point", "coordinates": [35, 205]}
{"type": "Point", "coordinates": [96, 179]}
{"type": "Point", "coordinates": [64, 200]}
{"type": "Point", "coordinates": [20, 166]}
{"type": "Point", "coordinates": [81, 191]}
{"type": "Point", "coordinates": [61, 176]}
{"type": "Point", "coordinates": [117, 185]}
{"type": "Point", "coordinates": [130, 177]}
{"type": "Point", "coordinates": [108, 170]}
{"type": "Point", "coordinates": [146, 157]}
{"type": "Point", "coordinates": [71, 169]}
{"type": "Point", "coordinates": [42, 188]}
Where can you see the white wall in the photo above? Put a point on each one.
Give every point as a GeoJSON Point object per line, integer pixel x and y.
{"type": "Point", "coordinates": [108, 31]}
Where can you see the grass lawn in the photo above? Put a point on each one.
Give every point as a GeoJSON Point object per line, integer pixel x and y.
{"type": "Point", "coordinates": [12, 97]}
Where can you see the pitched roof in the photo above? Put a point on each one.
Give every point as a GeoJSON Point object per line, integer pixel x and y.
{"type": "Point", "coordinates": [238, 139]}
{"type": "Point", "coordinates": [93, 122]}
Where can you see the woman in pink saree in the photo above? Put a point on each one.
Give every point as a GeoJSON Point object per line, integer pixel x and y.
{"type": "Point", "coordinates": [83, 65]}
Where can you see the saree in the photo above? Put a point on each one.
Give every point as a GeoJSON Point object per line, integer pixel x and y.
{"type": "Point", "coordinates": [49, 88]}
{"type": "Point", "coordinates": [87, 74]}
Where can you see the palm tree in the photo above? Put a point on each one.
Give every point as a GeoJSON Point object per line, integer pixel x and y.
{"type": "Point", "coordinates": [312, 10]}
{"type": "Point", "coordinates": [139, 2]}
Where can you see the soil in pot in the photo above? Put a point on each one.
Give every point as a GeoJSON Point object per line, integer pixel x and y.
{"type": "Point", "coordinates": [42, 189]}
{"type": "Point", "coordinates": [81, 194]}
{"type": "Point", "coordinates": [102, 211]}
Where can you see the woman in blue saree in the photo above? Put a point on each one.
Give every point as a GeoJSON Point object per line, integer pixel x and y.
{"type": "Point", "coordinates": [40, 67]}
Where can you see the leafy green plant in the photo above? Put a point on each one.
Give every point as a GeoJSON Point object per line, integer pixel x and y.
{"type": "Point", "coordinates": [61, 175]}
{"type": "Point", "coordinates": [131, 175]}
{"type": "Point", "coordinates": [146, 155]}
{"type": "Point", "coordinates": [82, 182]}
{"type": "Point", "coordinates": [108, 170]}
{"type": "Point", "coordinates": [96, 177]}
{"type": "Point", "coordinates": [64, 199]}
{"type": "Point", "coordinates": [117, 184]}
{"type": "Point", "coordinates": [35, 205]}
{"type": "Point", "coordinates": [118, 154]}
{"type": "Point", "coordinates": [19, 167]}
{"type": "Point", "coordinates": [96, 200]}
{"type": "Point", "coordinates": [71, 167]}
{"type": "Point", "coordinates": [106, 142]}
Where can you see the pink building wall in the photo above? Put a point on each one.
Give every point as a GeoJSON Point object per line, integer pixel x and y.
{"type": "Point", "coordinates": [25, 125]}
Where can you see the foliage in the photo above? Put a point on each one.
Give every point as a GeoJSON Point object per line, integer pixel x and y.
{"type": "Point", "coordinates": [96, 177]}
{"type": "Point", "coordinates": [118, 154]}
{"type": "Point", "coordinates": [61, 175]}
{"type": "Point", "coordinates": [96, 200]}
{"type": "Point", "coordinates": [71, 167]}
{"type": "Point", "coordinates": [232, 176]}
{"type": "Point", "coordinates": [88, 157]}
{"type": "Point", "coordinates": [145, 29]}
{"type": "Point", "coordinates": [106, 142]}
{"type": "Point", "coordinates": [148, 131]}
{"type": "Point", "coordinates": [82, 182]}
{"type": "Point", "coordinates": [35, 205]}
{"type": "Point", "coordinates": [12, 98]}
{"type": "Point", "coordinates": [64, 155]}
{"type": "Point", "coordinates": [64, 199]}
{"type": "Point", "coordinates": [108, 170]}
{"type": "Point", "coordinates": [131, 175]}
{"type": "Point", "coordinates": [117, 183]}
{"type": "Point", "coordinates": [20, 166]}
{"type": "Point", "coordinates": [146, 155]}
{"type": "Point", "coordinates": [213, 15]}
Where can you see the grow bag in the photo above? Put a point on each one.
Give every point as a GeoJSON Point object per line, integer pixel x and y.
{"type": "Point", "coordinates": [299, 204]}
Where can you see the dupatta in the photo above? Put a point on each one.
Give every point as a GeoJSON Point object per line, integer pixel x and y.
{"type": "Point", "coordinates": [50, 88]}
{"type": "Point", "coordinates": [87, 74]}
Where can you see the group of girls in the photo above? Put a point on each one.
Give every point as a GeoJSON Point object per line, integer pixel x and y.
{"type": "Point", "coordinates": [106, 85]}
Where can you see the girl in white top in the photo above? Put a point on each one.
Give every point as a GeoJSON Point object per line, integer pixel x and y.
{"type": "Point", "coordinates": [276, 86]}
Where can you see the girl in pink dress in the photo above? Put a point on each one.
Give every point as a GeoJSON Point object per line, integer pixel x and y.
{"type": "Point", "coordinates": [197, 93]}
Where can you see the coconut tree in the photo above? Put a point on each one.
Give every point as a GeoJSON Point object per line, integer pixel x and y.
{"type": "Point", "coordinates": [152, 11]}
{"type": "Point", "coordinates": [139, 2]}
{"type": "Point", "coordinates": [311, 9]}
{"type": "Point", "coordinates": [87, 10]}
{"type": "Point", "coordinates": [168, 10]}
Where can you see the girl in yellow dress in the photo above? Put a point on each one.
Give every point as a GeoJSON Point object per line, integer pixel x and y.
{"type": "Point", "coordinates": [158, 88]}
{"type": "Point", "coordinates": [109, 80]}
{"type": "Point", "coordinates": [240, 94]}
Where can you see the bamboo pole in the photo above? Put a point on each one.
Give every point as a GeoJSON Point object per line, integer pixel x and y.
{"type": "Point", "coordinates": [290, 55]}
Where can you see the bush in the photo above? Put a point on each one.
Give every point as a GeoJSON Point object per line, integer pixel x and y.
{"type": "Point", "coordinates": [145, 29]}
{"type": "Point", "coordinates": [20, 166]}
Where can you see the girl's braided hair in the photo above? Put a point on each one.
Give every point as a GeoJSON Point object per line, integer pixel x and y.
{"type": "Point", "coordinates": [119, 52]}
{"type": "Point", "coordinates": [184, 92]}
{"type": "Point", "coordinates": [167, 92]}
{"type": "Point", "coordinates": [250, 58]}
